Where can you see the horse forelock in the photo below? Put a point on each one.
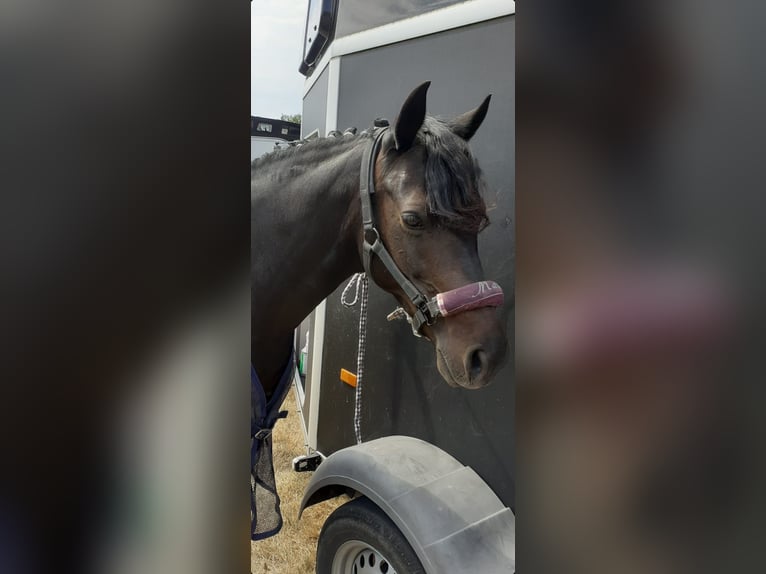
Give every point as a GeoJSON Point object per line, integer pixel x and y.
{"type": "Point", "coordinates": [453, 180]}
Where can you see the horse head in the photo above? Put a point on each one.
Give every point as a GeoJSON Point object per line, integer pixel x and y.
{"type": "Point", "coordinates": [428, 211]}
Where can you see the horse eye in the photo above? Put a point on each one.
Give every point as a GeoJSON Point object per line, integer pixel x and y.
{"type": "Point", "coordinates": [412, 219]}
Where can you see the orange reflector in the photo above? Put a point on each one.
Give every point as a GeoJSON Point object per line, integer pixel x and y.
{"type": "Point", "coordinates": [348, 377]}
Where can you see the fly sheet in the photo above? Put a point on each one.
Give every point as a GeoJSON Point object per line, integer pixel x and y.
{"type": "Point", "coordinates": [265, 514]}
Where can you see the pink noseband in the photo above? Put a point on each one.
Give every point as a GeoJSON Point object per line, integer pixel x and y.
{"type": "Point", "coordinates": [465, 298]}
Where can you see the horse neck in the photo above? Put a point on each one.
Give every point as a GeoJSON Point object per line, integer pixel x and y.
{"type": "Point", "coordinates": [306, 241]}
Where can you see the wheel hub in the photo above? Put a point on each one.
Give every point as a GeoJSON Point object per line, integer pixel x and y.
{"type": "Point", "coordinates": [356, 557]}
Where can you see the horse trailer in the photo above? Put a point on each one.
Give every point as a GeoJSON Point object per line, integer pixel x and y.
{"type": "Point", "coordinates": [435, 472]}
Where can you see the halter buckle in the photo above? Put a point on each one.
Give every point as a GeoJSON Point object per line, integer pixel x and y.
{"type": "Point", "coordinates": [422, 305]}
{"type": "Point", "coordinates": [262, 434]}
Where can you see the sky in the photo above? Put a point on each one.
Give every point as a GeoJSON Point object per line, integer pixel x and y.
{"type": "Point", "coordinates": [276, 44]}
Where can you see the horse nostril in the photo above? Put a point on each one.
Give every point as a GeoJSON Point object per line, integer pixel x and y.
{"type": "Point", "coordinates": [476, 363]}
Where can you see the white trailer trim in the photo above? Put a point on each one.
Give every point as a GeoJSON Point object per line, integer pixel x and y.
{"type": "Point", "coordinates": [317, 335]}
{"type": "Point", "coordinates": [456, 16]}
{"type": "Point", "coordinates": [300, 401]}
{"type": "Point", "coordinates": [315, 380]}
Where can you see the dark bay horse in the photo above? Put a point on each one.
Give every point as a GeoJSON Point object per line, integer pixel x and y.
{"type": "Point", "coordinates": [308, 236]}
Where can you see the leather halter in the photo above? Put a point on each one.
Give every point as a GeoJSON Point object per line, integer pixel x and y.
{"type": "Point", "coordinates": [472, 296]}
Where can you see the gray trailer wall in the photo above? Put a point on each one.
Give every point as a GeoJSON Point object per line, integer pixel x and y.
{"type": "Point", "coordinates": [403, 391]}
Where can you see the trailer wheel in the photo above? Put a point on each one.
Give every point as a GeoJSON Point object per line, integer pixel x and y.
{"type": "Point", "coordinates": [358, 538]}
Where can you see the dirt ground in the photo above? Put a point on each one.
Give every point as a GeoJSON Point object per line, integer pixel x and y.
{"type": "Point", "coordinates": [293, 549]}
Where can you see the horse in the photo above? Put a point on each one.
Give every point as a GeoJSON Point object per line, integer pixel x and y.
{"type": "Point", "coordinates": [402, 204]}
{"type": "Point", "coordinates": [314, 224]}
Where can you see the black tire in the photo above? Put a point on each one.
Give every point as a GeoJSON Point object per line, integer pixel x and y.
{"type": "Point", "coordinates": [359, 524]}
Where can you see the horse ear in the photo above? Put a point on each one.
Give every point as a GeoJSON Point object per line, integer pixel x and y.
{"type": "Point", "coordinates": [466, 124]}
{"type": "Point", "coordinates": [410, 117]}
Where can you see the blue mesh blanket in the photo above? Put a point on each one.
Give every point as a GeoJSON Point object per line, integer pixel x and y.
{"type": "Point", "coordinates": [265, 515]}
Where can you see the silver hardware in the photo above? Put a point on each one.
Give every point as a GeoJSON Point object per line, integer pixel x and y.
{"type": "Point", "coordinates": [398, 313]}
{"type": "Point", "coordinates": [262, 434]}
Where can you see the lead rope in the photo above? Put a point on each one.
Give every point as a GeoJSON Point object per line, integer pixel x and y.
{"type": "Point", "coordinates": [359, 281]}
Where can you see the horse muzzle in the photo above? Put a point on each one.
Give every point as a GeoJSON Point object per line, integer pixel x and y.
{"type": "Point", "coordinates": [472, 348]}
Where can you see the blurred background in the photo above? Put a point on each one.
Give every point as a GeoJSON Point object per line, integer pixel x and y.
{"type": "Point", "coordinates": [125, 303]}
{"type": "Point", "coordinates": [639, 194]}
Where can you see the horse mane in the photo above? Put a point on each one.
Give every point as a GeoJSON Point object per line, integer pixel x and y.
{"type": "Point", "coordinates": [308, 149]}
{"type": "Point", "coordinates": [453, 181]}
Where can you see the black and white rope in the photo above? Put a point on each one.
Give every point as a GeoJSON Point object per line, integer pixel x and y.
{"type": "Point", "coordinates": [359, 281]}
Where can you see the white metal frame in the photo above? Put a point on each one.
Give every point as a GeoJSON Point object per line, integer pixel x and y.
{"type": "Point", "coordinates": [317, 335]}
{"type": "Point", "coordinates": [300, 398]}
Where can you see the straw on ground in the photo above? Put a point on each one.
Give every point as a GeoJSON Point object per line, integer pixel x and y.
{"type": "Point", "coordinates": [293, 550]}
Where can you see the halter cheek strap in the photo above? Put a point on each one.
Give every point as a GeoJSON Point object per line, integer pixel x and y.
{"type": "Point", "coordinates": [366, 189]}
{"type": "Point", "coordinates": [471, 296]}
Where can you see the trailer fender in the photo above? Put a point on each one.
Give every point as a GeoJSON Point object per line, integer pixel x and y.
{"type": "Point", "coordinates": [448, 514]}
